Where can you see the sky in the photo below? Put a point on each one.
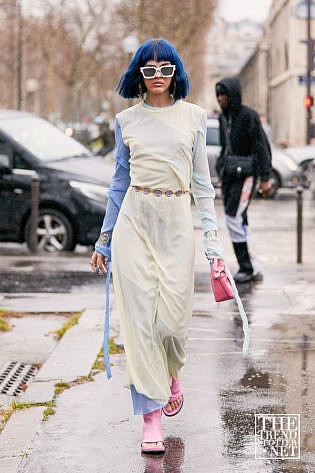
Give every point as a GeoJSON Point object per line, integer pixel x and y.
{"type": "Point", "coordinates": [234, 10]}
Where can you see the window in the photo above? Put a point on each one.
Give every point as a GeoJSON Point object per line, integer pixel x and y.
{"type": "Point", "coordinates": [5, 148]}
{"type": "Point", "coordinates": [213, 137]}
{"type": "Point", "coordinates": [286, 56]}
{"type": "Point", "coordinates": [19, 162]}
{"type": "Point", "coordinates": [41, 138]}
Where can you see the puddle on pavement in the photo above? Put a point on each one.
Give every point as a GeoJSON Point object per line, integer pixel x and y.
{"type": "Point", "coordinates": [277, 378]}
{"type": "Point", "coordinates": [25, 263]}
{"type": "Point", "coordinates": [279, 383]}
{"type": "Point", "coordinates": [171, 462]}
{"type": "Point", "coordinates": [56, 282]}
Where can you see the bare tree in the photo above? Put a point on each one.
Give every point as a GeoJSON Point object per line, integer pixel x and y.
{"type": "Point", "coordinates": [183, 22]}
{"type": "Point", "coordinates": [8, 47]}
{"type": "Point", "coordinates": [73, 55]}
{"type": "Point", "coordinates": [71, 46]}
{"type": "Point", "coordinates": [65, 51]}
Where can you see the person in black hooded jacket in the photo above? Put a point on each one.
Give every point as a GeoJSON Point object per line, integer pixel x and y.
{"type": "Point", "coordinates": [247, 138]}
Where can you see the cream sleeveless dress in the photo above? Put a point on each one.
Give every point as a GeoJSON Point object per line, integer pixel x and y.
{"type": "Point", "coordinates": [153, 241]}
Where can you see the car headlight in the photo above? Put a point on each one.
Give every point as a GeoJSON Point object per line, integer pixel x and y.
{"type": "Point", "coordinates": [91, 191]}
{"type": "Point", "coordinates": [292, 165]}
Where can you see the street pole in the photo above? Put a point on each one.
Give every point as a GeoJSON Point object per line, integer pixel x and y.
{"type": "Point", "coordinates": [308, 71]}
{"type": "Point", "coordinates": [130, 101]}
{"type": "Point", "coordinates": [299, 224]}
{"type": "Point", "coordinates": [34, 212]}
{"type": "Point", "coordinates": [130, 45]}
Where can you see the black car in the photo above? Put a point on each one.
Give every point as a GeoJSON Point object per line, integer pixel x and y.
{"type": "Point", "coordinates": [73, 184]}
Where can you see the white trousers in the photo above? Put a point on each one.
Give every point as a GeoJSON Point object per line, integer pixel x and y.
{"type": "Point", "coordinates": [237, 225]}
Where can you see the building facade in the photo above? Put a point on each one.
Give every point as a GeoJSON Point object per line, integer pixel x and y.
{"type": "Point", "coordinates": [254, 78]}
{"type": "Point", "coordinates": [288, 61]}
{"type": "Point", "coordinates": [273, 78]}
{"type": "Point", "coordinates": [229, 44]}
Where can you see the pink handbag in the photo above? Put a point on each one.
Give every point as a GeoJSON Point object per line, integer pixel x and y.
{"type": "Point", "coordinates": [221, 285]}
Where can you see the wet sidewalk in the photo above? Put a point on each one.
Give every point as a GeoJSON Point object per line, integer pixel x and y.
{"type": "Point", "coordinates": [93, 429]}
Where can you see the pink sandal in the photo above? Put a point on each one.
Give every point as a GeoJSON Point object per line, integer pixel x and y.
{"type": "Point", "coordinates": [177, 394]}
{"type": "Point", "coordinates": [152, 433]}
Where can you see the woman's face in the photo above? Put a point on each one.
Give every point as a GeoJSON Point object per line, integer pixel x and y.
{"type": "Point", "coordinates": [158, 85]}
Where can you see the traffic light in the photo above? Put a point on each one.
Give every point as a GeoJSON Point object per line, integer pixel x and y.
{"type": "Point", "coordinates": [308, 101]}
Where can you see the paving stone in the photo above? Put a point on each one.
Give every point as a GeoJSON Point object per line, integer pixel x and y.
{"type": "Point", "coordinates": [73, 357]}
{"type": "Point", "coordinates": [92, 318]}
{"type": "Point", "coordinates": [39, 392]}
{"type": "Point", "coordinates": [5, 401]}
{"type": "Point", "coordinates": [77, 350]}
{"type": "Point", "coordinates": [19, 432]}
{"type": "Point", "coordinates": [9, 465]}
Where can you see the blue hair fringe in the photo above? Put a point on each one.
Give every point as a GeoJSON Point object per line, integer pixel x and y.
{"type": "Point", "coordinates": [157, 50]}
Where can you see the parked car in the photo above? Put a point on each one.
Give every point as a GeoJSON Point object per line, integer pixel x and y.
{"type": "Point", "coordinates": [213, 147]}
{"type": "Point", "coordinates": [73, 184]}
{"type": "Point", "coordinates": [290, 167]}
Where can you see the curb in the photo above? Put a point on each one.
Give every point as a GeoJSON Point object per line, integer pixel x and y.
{"type": "Point", "coordinates": [67, 363]}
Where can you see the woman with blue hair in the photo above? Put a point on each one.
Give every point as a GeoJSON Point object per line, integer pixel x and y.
{"type": "Point", "coordinates": [147, 233]}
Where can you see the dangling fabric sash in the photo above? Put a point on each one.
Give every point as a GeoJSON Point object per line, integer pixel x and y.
{"type": "Point", "coordinates": [241, 311]}
{"type": "Point", "coordinates": [106, 325]}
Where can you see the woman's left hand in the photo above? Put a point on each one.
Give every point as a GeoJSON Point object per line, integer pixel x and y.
{"type": "Point", "coordinates": [265, 187]}
{"type": "Point", "coordinates": [98, 263]}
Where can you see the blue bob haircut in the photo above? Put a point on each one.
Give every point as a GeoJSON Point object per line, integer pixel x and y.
{"type": "Point", "coordinates": [131, 84]}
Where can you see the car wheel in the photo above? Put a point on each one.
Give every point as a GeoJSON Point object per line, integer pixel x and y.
{"type": "Point", "coordinates": [275, 184]}
{"type": "Point", "coordinates": [54, 231]}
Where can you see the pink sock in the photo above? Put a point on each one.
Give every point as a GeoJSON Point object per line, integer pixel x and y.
{"type": "Point", "coordinates": [152, 430]}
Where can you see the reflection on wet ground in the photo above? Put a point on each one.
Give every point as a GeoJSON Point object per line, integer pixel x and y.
{"type": "Point", "coordinates": [30, 279]}
{"type": "Point", "coordinates": [49, 282]}
{"type": "Point", "coordinates": [215, 432]}
{"type": "Point", "coordinates": [171, 462]}
{"type": "Point", "coordinates": [277, 378]}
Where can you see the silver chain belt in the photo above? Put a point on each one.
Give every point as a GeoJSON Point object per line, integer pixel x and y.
{"type": "Point", "coordinates": [159, 192]}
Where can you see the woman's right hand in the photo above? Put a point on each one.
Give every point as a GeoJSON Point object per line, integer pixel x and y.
{"type": "Point", "coordinates": [98, 263]}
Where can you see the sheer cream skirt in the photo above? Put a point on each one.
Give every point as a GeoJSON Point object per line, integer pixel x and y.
{"type": "Point", "coordinates": [153, 275]}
